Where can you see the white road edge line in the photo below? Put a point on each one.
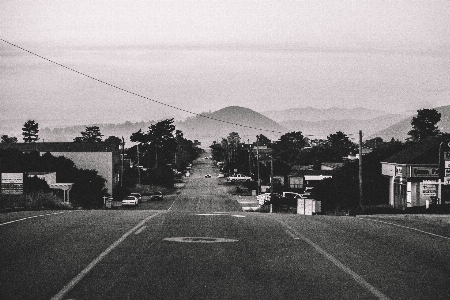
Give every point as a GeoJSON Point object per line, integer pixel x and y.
{"type": "Point", "coordinates": [140, 230]}
{"type": "Point", "coordinates": [411, 228]}
{"type": "Point", "coordinates": [337, 263]}
{"type": "Point", "coordinates": [86, 270]}
{"type": "Point", "coordinates": [30, 217]}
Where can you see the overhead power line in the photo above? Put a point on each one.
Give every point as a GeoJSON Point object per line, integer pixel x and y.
{"type": "Point", "coordinates": [135, 94]}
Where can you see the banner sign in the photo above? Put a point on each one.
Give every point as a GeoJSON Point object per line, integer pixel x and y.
{"type": "Point", "coordinates": [424, 172]}
{"type": "Point", "coordinates": [12, 183]}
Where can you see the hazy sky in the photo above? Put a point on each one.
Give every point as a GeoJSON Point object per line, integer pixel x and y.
{"type": "Point", "coordinates": [206, 55]}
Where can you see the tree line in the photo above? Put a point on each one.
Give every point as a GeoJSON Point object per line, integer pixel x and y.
{"type": "Point", "coordinates": [294, 149]}
{"type": "Point", "coordinates": [154, 157]}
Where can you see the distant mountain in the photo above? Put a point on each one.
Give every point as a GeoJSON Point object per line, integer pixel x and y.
{"type": "Point", "coordinates": [312, 114]}
{"type": "Point", "coordinates": [323, 128]}
{"type": "Point", "coordinates": [206, 128]}
{"type": "Point", "coordinates": [246, 122]}
{"type": "Point", "coordinates": [399, 131]}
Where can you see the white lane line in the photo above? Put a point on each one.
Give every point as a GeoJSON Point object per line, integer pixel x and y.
{"type": "Point", "coordinates": [140, 230]}
{"type": "Point", "coordinates": [411, 228]}
{"type": "Point", "coordinates": [291, 234]}
{"type": "Point", "coordinates": [171, 205]}
{"type": "Point", "coordinates": [30, 217]}
{"type": "Point", "coordinates": [86, 270]}
{"type": "Point", "coordinates": [340, 265]}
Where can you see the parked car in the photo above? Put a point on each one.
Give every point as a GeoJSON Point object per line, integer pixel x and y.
{"type": "Point", "coordinates": [208, 176]}
{"type": "Point", "coordinates": [137, 195]}
{"type": "Point", "coordinates": [130, 201]}
{"type": "Point", "coordinates": [156, 196]}
{"type": "Point", "coordinates": [221, 175]}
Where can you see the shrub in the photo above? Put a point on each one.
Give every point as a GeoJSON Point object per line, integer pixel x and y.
{"type": "Point", "coordinates": [38, 200]}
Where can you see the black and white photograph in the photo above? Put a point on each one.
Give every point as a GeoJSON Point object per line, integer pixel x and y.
{"type": "Point", "coordinates": [233, 149]}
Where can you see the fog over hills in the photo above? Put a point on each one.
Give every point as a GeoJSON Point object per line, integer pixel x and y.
{"type": "Point", "coordinates": [311, 114]}
{"type": "Point", "coordinates": [399, 131]}
{"type": "Point", "coordinates": [213, 126]}
{"type": "Point", "coordinates": [323, 128]}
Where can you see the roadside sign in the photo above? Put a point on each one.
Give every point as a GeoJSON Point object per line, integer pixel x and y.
{"type": "Point", "coordinates": [444, 159]}
{"type": "Point", "coordinates": [446, 180]}
{"type": "Point", "coordinates": [12, 183]}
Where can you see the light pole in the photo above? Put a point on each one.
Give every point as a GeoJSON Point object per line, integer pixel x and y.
{"type": "Point", "coordinates": [360, 170]}
{"type": "Point", "coordinates": [257, 162]}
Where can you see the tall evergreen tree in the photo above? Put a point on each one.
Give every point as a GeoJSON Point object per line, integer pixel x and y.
{"type": "Point", "coordinates": [30, 131]}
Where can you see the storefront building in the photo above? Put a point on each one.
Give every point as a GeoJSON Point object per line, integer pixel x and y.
{"type": "Point", "coordinates": [101, 157]}
{"type": "Point", "coordinates": [414, 174]}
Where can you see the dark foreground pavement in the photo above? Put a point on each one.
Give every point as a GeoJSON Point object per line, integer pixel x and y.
{"type": "Point", "coordinates": [197, 255]}
{"type": "Point", "coordinates": [198, 245]}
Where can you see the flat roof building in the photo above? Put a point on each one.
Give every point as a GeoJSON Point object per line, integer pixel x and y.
{"type": "Point", "coordinates": [99, 156]}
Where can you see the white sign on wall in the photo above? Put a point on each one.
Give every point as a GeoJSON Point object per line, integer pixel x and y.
{"type": "Point", "coordinates": [12, 183]}
{"type": "Point", "coordinates": [428, 190]}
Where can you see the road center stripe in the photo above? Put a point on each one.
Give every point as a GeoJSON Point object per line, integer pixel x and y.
{"type": "Point", "coordinates": [337, 263]}
{"type": "Point", "coordinates": [86, 270]}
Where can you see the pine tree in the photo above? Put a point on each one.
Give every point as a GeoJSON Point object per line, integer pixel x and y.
{"type": "Point", "coordinates": [30, 131]}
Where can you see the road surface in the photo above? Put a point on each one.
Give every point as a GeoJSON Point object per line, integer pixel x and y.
{"type": "Point", "coordinates": [200, 245]}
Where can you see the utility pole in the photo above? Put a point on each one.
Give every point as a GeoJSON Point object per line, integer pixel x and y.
{"type": "Point", "coordinates": [249, 158]}
{"type": "Point", "coordinates": [139, 165]}
{"type": "Point", "coordinates": [123, 154]}
{"type": "Point", "coordinates": [271, 175]}
{"type": "Point", "coordinates": [360, 170]}
{"type": "Point", "coordinates": [257, 161]}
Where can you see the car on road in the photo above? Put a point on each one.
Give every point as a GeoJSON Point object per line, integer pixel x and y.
{"type": "Point", "coordinates": [238, 177]}
{"type": "Point", "coordinates": [156, 196]}
{"type": "Point", "coordinates": [208, 176]}
{"type": "Point", "coordinates": [130, 201]}
{"type": "Point", "coordinates": [137, 195]}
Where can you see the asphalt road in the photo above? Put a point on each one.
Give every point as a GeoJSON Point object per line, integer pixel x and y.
{"type": "Point", "coordinates": [200, 245]}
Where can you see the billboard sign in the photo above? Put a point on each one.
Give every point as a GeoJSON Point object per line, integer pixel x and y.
{"type": "Point", "coordinates": [263, 153]}
{"type": "Point", "coordinates": [12, 183]}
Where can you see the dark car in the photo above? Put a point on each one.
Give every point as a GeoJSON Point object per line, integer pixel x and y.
{"type": "Point", "coordinates": [156, 196]}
